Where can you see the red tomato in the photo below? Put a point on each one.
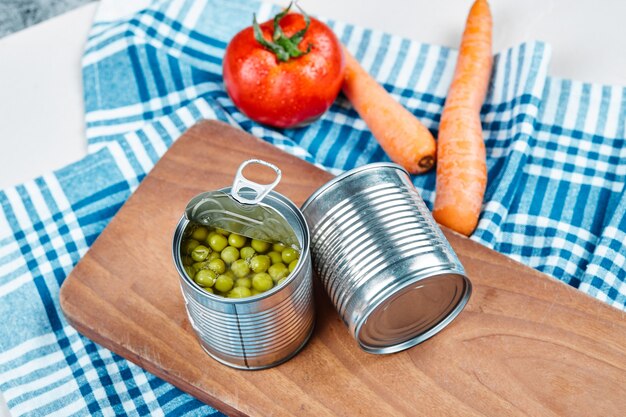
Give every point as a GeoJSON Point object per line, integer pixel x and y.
{"type": "Point", "coordinates": [289, 80]}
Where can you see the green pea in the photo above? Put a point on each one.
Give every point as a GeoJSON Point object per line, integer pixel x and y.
{"type": "Point", "coordinates": [224, 283]}
{"type": "Point", "coordinates": [213, 255]}
{"type": "Point", "coordinates": [236, 240]}
{"type": "Point", "coordinates": [289, 255]}
{"type": "Point", "coordinates": [279, 247]}
{"type": "Point", "coordinates": [199, 265]}
{"type": "Point", "coordinates": [200, 253]}
{"type": "Point", "coordinates": [260, 263]}
{"type": "Point", "coordinates": [240, 268]}
{"type": "Point", "coordinates": [247, 252]}
{"type": "Point", "coordinates": [239, 292]}
{"type": "Point", "coordinates": [205, 278]}
{"type": "Point", "coordinates": [243, 282]}
{"type": "Point", "coordinates": [278, 271]}
{"type": "Point", "coordinates": [217, 265]}
{"type": "Point", "coordinates": [259, 245]}
{"type": "Point", "coordinates": [189, 245]}
{"type": "Point", "coordinates": [208, 289]}
{"type": "Point", "coordinates": [292, 265]}
{"type": "Point", "coordinates": [280, 281]}
{"type": "Point", "coordinates": [275, 257]}
{"type": "Point", "coordinates": [229, 255]}
{"type": "Point", "coordinates": [190, 271]}
{"type": "Point", "coordinates": [210, 235]}
{"type": "Point", "coordinates": [230, 274]}
{"type": "Point", "coordinates": [200, 233]}
{"type": "Point", "coordinates": [254, 291]}
{"type": "Point", "coordinates": [222, 231]}
{"type": "Point", "coordinates": [218, 242]}
{"type": "Point", "coordinates": [262, 282]}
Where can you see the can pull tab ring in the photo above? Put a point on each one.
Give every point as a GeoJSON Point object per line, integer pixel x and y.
{"type": "Point", "coordinates": [242, 182]}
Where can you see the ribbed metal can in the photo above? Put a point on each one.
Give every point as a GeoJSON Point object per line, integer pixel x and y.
{"type": "Point", "coordinates": [383, 260]}
{"type": "Point", "coordinates": [260, 331]}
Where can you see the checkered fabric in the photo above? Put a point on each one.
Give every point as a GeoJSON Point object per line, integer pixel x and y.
{"type": "Point", "coordinates": [555, 197]}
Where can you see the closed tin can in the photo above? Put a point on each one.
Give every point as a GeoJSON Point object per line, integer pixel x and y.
{"type": "Point", "coordinates": [386, 265]}
{"type": "Point", "coordinates": [269, 328]}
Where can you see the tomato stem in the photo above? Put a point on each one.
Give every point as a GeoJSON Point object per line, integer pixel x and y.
{"type": "Point", "coordinates": [284, 47]}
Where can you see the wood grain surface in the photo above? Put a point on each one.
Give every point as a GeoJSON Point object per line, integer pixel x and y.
{"type": "Point", "coordinates": [526, 344]}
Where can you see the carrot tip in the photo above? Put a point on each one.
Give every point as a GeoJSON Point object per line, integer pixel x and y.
{"type": "Point", "coordinates": [426, 162]}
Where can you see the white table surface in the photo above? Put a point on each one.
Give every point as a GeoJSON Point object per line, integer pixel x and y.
{"type": "Point", "coordinates": [41, 109]}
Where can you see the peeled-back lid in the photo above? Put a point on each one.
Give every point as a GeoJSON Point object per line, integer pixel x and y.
{"type": "Point", "coordinates": [242, 210]}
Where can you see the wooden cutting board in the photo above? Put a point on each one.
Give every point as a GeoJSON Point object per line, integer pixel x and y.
{"type": "Point", "coordinates": [526, 344]}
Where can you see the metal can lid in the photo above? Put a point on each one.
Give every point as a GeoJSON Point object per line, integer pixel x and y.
{"type": "Point", "coordinates": [242, 209]}
{"type": "Point", "coordinates": [413, 314]}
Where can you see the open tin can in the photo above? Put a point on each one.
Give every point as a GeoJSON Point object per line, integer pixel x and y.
{"type": "Point", "coordinates": [269, 328]}
{"type": "Point", "coordinates": [384, 262]}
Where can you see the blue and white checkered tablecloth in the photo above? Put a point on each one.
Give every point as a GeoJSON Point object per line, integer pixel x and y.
{"type": "Point", "coordinates": [555, 200]}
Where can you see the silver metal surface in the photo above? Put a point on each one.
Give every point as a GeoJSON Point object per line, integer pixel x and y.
{"type": "Point", "coordinates": [241, 183]}
{"type": "Point", "coordinates": [382, 259]}
{"type": "Point", "coordinates": [243, 209]}
{"type": "Point", "coordinates": [260, 331]}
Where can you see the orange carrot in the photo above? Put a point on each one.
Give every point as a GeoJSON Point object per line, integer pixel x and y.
{"type": "Point", "coordinates": [407, 142]}
{"type": "Point", "coordinates": [461, 164]}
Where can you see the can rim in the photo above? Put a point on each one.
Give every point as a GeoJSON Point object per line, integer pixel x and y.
{"type": "Point", "coordinates": [347, 174]}
{"type": "Point", "coordinates": [182, 223]}
{"type": "Point", "coordinates": [422, 337]}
